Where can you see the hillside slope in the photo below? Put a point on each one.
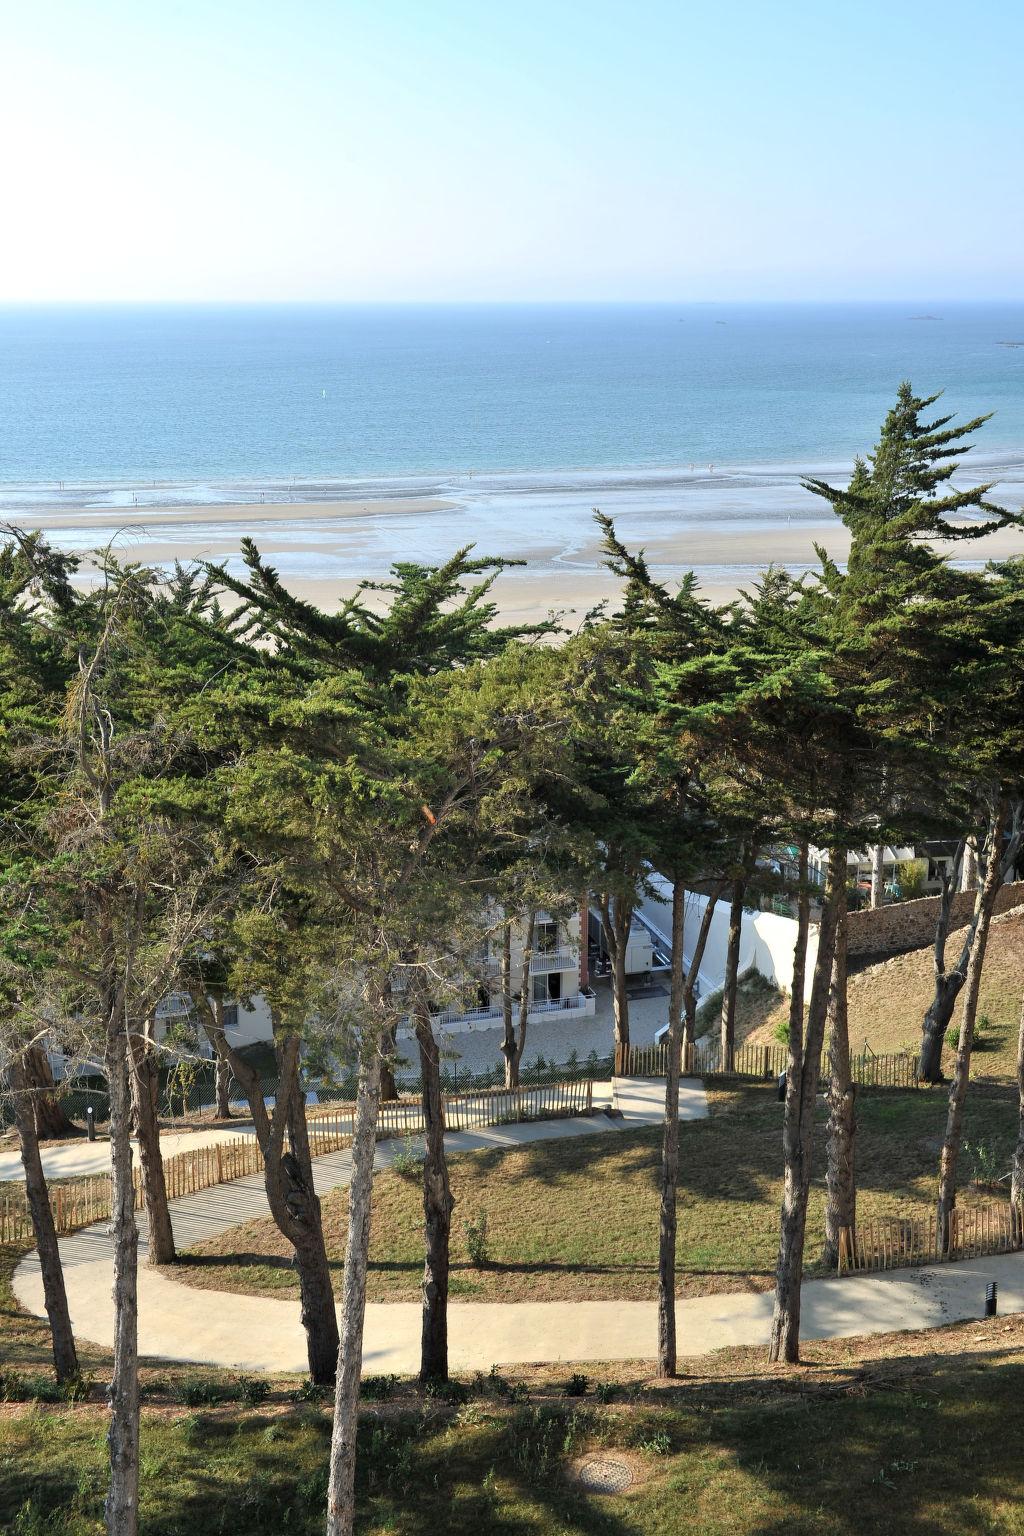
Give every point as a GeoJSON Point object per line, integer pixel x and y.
{"type": "Point", "coordinates": [888, 1002]}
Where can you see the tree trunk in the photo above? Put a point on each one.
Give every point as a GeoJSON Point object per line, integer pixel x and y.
{"type": "Point", "coordinates": [388, 1085]}
{"type": "Point", "coordinates": [144, 1077]}
{"type": "Point", "coordinates": [732, 976]}
{"type": "Point", "coordinates": [288, 1180]}
{"type": "Point", "coordinates": [341, 1487]}
{"type": "Point", "coordinates": [212, 1015]}
{"type": "Point", "coordinates": [693, 969]}
{"type": "Point", "coordinates": [1017, 1182]}
{"type": "Point", "coordinates": [798, 1128]}
{"type": "Point", "coordinates": [616, 921]}
{"type": "Point", "coordinates": [841, 1187]}
{"type": "Point", "coordinates": [878, 875]}
{"type": "Point", "coordinates": [682, 989]}
{"type": "Point", "coordinates": [670, 1149]}
{"type": "Point", "coordinates": [508, 1035]}
{"type": "Point", "coordinates": [306, 1232]}
{"type": "Point", "coordinates": [972, 986]}
{"type": "Point", "coordinates": [437, 1209]}
{"type": "Point", "coordinates": [65, 1356]}
{"type": "Point", "coordinates": [947, 983]}
{"type": "Point", "coordinates": [122, 1503]}
{"type": "Point", "coordinates": [803, 923]}
{"type": "Point", "coordinates": [223, 1085]}
{"type": "Point", "coordinates": [52, 1123]}
{"type": "Point", "coordinates": [969, 869]}
{"type": "Point", "coordinates": [524, 997]}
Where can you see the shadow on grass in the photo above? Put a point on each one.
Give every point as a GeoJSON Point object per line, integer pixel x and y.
{"type": "Point", "coordinates": [933, 1446]}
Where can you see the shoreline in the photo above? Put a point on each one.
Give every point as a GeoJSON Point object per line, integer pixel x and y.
{"type": "Point", "coordinates": [726, 528]}
{"type": "Point", "coordinates": [140, 494]}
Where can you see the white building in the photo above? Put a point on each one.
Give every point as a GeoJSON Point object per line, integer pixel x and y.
{"type": "Point", "coordinates": [558, 977]}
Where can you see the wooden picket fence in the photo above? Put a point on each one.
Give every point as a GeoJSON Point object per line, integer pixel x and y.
{"type": "Point", "coordinates": [330, 1128]}
{"type": "Point", "coordinates": [895, 1070]}
{"type": "Point", "coordinates": [894, 1242]}
{"type": "Point", "coordinates": [468, 1111]}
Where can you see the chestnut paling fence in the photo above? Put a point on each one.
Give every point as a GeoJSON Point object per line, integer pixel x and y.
{"type": "Point", "coordinates": [330, 1126]}
{"type": "Point", "coordinates": [894, 1242]}
{"type": "Point", "coordinates": [703, 1059]}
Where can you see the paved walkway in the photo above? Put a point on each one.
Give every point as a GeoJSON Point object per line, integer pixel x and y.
{"type": "Point", "coordinates": [76, 1159]}
{"type": "Point", "coordinates": [180, 1322]}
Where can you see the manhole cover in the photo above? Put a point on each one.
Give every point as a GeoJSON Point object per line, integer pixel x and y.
{"type": "Point", "coordinates": [604, 1474]}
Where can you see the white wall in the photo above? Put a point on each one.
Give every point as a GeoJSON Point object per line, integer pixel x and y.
{"type": "Point", "coordinates": [766, 940]}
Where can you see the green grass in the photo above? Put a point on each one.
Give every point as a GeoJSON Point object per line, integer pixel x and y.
{"type": "Point", "coordinates": [933, 1449]}
{"type": "Point", "coordinates": [578, 1218]}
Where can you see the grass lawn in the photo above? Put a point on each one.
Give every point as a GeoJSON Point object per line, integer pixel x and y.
{"type": "Point", "coordinates": [579, 1218]}
{"type": "Point", "coordinates": [888, 1002]}
{"type": "Point", "coordinates": [932, 1444]}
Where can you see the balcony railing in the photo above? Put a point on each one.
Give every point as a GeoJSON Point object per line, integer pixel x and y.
{"type": "Point", "coordinates": [542, 962]}
{"type": "Point", "coordinates": [578, 1003]}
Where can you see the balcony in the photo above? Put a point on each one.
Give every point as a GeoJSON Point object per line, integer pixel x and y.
{"type": "Point", "coordinates": [580, 1004]}
{"type": "Point", "coordinates": [176, 1005]}
{"type": "Point", "coordinates": [542, 962]}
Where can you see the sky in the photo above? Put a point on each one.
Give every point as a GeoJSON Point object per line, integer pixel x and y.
{"type": "Point", "coordinates": [422, 150]}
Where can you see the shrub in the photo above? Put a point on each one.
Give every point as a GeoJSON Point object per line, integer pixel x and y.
{"type": "Point", "coordinates": [910, 876]}
{"type": "Point", "coordinates": [654, 1442]}
{"type": "Point", "coordinates": [577, 1385]}
{"type": "Point", "coordinates": [511, 1391]}
{"type": "Point", "coordinates": [607, 1391]}
{"type": "Point", "coordinates": [476, 1240]}
{"type": "Point", "coordinates": [311, 1392]}
{"type": "Point", "coordinates": [377, 1389]}
{"type": "Point", "coordinates": [200, 1391]}
{"type": "Point", "coordinates": [984, 1161]}
{"type": "Point", "coordinates": [42, 1389]}
{"type": "Point", "coordinates": [408, 1159]}
{"type": "Point", "coordinates": [252, 1390]}
{"type": "Point", "coordinates": [449, 1391]}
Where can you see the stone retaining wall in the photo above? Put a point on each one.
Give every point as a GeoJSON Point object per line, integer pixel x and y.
{"type": "Point", "coordinates": [909, 925]}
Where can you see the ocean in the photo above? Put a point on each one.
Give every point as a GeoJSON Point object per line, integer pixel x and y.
{"type": "Point", "coordinates": [229, 403]}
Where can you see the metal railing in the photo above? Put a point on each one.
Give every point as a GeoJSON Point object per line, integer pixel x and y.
{"type": "Point", "coordinates": [575, 1004]}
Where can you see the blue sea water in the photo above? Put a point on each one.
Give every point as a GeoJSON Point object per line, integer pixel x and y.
{"type": "Point", "coordinates": [214, 401]}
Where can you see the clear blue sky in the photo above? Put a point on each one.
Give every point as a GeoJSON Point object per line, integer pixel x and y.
{"type": "Point", "coordinates": [459, 149]}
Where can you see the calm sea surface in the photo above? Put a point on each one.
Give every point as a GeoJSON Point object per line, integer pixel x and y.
{"type": "Point", "coordinates": [221, 403]}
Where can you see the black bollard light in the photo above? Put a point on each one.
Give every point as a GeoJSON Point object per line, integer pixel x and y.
{"type": "Point", "coordinates": [991, 1295]}
{"type": "Point", "coordinates": [90, 1122]}
{"type": "Point", "coordinates": [782, 1087]}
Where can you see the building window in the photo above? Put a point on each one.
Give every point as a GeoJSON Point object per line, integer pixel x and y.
{"type": "Point", "coordinates": [547, 988]}
{"type": "Point", "coordinates": [545, 937]}
{"type": "Point", "coordinates": [230, 1015]}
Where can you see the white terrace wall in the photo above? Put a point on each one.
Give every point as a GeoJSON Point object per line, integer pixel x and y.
{"type": "Point", "coordinates": [905, 925]}
{"type": "Point", "coordinates": [766, 940]}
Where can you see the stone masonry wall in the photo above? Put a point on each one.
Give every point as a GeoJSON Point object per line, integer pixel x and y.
{"type": "Point", "coordinates": [908, 925]}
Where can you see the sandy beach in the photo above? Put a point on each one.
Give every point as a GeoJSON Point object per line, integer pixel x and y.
{"type": "Point", "coordinates": [727, 532]}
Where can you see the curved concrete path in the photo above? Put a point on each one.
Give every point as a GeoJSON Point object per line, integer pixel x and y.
{"type": "Point", "coordinates": [181, 1322]}
{"type": "Point", "coordinates": [77, 1159]}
